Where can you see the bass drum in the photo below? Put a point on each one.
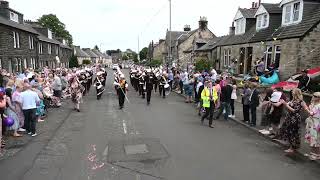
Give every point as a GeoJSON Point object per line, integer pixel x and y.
{"type": "Point", "coordinates": [167, 89]}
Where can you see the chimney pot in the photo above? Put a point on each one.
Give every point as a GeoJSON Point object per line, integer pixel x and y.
{"type": "Point", "coordinates": [4, 4]}
{"type": "Point", "coordinates": [252, 5]}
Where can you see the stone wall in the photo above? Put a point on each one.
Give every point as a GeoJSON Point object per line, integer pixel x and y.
{"type": "Point", "coordinates": [8, 53]}
{"type": "Point", "coordinates": [159, 51]}
{"type": "Point", "coordinates": [309, 54]}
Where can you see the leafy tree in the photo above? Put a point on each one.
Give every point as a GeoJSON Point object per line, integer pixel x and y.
{"type": "Point", "coordinates": [86, 62]}
{"type": "Point", "coordinates": [125, 57]}
{"type": "Point", "coordinates": [143, 53]}
{"type": "Point", "coordinates": [73, 62]}
{"type": "Point", "coordinates": [202, 64]}
{"type": "Point", "coordinates": [53, 23]}
{"type": "Point", "coordinates": [135, 58]}
{"type": "Point", "coordinates": [154, 63]}
{"type": "Point", "coordinates": [96, 47]}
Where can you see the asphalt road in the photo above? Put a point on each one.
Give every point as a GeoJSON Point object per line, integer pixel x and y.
{"type": "Point", "coordinates": [162, 141]}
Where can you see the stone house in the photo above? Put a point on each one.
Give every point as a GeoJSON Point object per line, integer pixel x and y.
{"type": "Point", "coordinates": [108, 60]}
{"type": "Point", "coordinates": [18, 42]}
{"type": "Point", "coordinates": [101, 57]}
{"type": "Point", "coordinates": [65, 53]}
{"type": "Point", "coordinates": [285, 35]}
{"type": "Point", "coordinates": [80, 54]}
{"type": "Point", "coordinates": [159, 51]}
{"type": "Point", "coordinates": [93, 57]}
{"type": "Point", "coordinates": [186, 42]}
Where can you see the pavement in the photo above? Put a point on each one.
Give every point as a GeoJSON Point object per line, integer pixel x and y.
{"type": "Point", "coordinates": [162, 141]}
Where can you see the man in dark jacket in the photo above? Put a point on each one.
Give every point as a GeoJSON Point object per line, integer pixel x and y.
{"type": "Point", "coordinates": [225, 99]}
{"type": "Point", "coordinates": [254, 103]}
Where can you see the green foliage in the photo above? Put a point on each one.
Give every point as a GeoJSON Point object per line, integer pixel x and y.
{"type": "Point", "coordinates": [202, 64]}
{"type": "Point", "coordinates": [73, 62]}
{"type": "Point", "coordinates": [143, 53]}
{"type": "Point", "coordinates": [154, 63]}
{"type": "Point", "coordinates": [53, 23]}
{"type": "Point", "coordinates": [125, 57]}
{"type": "Point", "coordinates": [96, 47]}
{"type": "Point", "coordinates": [86, 62]}
{"type": "Point", "coordinates": [135, 58]}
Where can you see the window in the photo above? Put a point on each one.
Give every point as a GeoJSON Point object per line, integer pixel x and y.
{"type": "Point", "coordinates": [292, 13]}
{"type": "Point", "coordinates": [49, 34]}
{"type": "Point", "coordinates": [265, 20]}
{"type": "Point", "coordinates": [16, 40]}
{"type": "Point", "coordinates": [25, 64]}
{"type": "Point", "coordinates": [288, 14]}
{"type": "Point", "coordinates": [259, 21]}
{"type": "Point", "coordinates": [240, 26]}
{"type": "Point", "coordinates": [229, 57]}
{"type": "Point", "coordinates": [296, 10]}
{"type": "Point", "coordinates": [268, 58]}
{"type": "Point", "coordinates": [277, 56]}
{"type": "Point", "coordinates": [0, 63]}
{"type": "Point", "coordinates": [225, 58]}
{"type": "Point", "coordinates": [57, 50]}
{"type": "Point", "coordinates": [40, 48]}
{"type": "Point", "coordinates": [31, 42]}
{"type": "Point", "coordinates": [14, 17]}
{"type": "Point", "coordinates": [49, 49]}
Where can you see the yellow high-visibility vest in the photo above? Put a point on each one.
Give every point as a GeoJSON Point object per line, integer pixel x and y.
{"type": "Point", "coordinates": [205, 96]}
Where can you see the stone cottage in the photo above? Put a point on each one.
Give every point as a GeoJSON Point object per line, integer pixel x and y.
{"type": "Point", "coordinates": [159, 51]}
{"type": "Point", "coordinates": [93, 57]}
{"type": "Point", "coordinates": [18, 43]}
{"type": "Point", "coordinates": [80, 54]}
{"type": "Point", "coordinates": [184, 43]}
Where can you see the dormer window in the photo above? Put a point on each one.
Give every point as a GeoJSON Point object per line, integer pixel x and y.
{"type": "Point", "coordinates": [49, 34]}
{"type": "Point", "coordinates": [262, 21]}
{"type": "Point", "coordinates": [240, 26]}
{"type": "Point", "coordinates": [292, 13]}
{"type": "Point", "coordinates": [14, 17]}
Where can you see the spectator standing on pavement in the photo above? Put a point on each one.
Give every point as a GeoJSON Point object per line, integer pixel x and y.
{"type": "Point", "coordinates": [254, 103]}
{"type": "Point", "coordinates": [246, 103]}
{"type": "Point", "coordinates": [267, 109]}
{"type": "Point", "coordinates": [170, 79]}
{"type": "Point", "coordinates": [17, 102]}
{"type": "Point", "coordinates": [226, 92]}
{"type": "Point", "coordinates": [277, 111]}
{"type": "Point", "coordinates": [57, 88]}
{"type": "Point", "coordinates": [312, 135]}
{"type": "Point", "coordinates": [233, 97]}
{"type": "Point", "coordinates": [29, 100]}
{"type": "Point", "coordinates": [213, 75]}
{"type": "Point", "coordinates": [290, 129]}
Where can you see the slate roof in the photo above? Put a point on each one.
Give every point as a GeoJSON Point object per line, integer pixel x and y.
{"type": "Point", "coordinates": [65, 46]}
{"type": "Point", "coordinates": [272, 8]}
{"type": "Point", "coordinates": [211, 44]}
{"type": "Point", "coordinates": [80, 53]}
{"type": "Point", "coordinates": [98, 53]}
{"type": "Point", "coordinates": [174, 36]}
{"type": "Point", "coordinates": [22, 27]}
{"type": "Point", "coordinates": [240, 39]}
{"type": "Point", "coordinates": [248, 13]}
{"type": "Point", "coordinates": [311, 18]}
{"type": "Point", "coordinates": [90, 52]}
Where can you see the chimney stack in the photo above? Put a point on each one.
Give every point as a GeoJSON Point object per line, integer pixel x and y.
{"type": "Point", "coordinates": [4, 4]}
{"type": "Point", "coordinates": [187, 28]}
{"type": "Point", "coordinates": [232, 30]}
{"type": "Point", "coordinates": [253, 4]}
{"type": "Point", "coordinates": [203, 23]}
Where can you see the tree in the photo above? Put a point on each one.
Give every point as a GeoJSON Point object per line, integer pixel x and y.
{"type": "Point", "coordinates": [125, 57]}
{"type": "Point", "coordinates": [86, 62]}
{"type": "Point", "coordinates": [143, 53]}
{"type": "Point", "coordinates": [135, 58]}
{"type": "Point", "coordinates": [53, 23]}
{"type": "Point", "coordinates": [202, 64]}
{"type": "Point", "coordinates": [73, 62]}
{"type": "Point", "coordinates": [96, 47]}
{"type": "Point", "coordinates": [154, 63]}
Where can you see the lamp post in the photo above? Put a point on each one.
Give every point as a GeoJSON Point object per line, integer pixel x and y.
{"type": "Point", "coordinates": [170, 45]}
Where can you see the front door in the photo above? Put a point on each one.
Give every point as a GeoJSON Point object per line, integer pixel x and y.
{"type": "Point", "coordinates": [249, 59]}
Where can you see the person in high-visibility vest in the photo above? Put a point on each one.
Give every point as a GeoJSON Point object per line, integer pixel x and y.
{"type": "Point", "coordinates": [209, 97]}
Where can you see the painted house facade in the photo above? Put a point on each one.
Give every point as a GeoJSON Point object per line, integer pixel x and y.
{"type": "Point", "coordinates": [80, 54]}
{"type": "Point", "coordinates": [93, 57]}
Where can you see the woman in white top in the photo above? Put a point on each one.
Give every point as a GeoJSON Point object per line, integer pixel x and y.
{"type": "Point", "coordinates": [233, 97]}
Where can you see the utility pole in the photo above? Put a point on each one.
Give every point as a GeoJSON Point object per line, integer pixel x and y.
{"type": "Point", "coordinates": [139, 49]}
{"type": "Point", "coordinates": [169, 58]}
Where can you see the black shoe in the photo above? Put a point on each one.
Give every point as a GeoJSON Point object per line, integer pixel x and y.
{"type": "Point", "coordinates": [148, 103]}
{"type": "Point", "coordinates": [163, 97]}
{"type": "Point", "coordinates": [78, 110]}
{"type": "Point", "coordinates": [210, 126]}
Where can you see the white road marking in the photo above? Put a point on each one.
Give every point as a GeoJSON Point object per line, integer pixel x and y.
{"type": "Point", "coordinates": [124, 127]}
{"type": "Point", "coordinates": [105, 153]}
{"type": "Point", "coordinates": [138, 177]}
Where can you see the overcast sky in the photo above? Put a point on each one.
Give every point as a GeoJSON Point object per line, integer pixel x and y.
{"type": "Point", "coordinates": [114, 24]}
